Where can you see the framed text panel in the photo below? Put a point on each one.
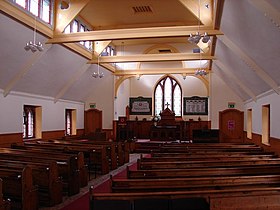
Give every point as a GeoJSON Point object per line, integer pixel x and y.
{"type": "Point", "coordinates": [195, 105]}
{"type": "Point", "coordinates": [140, 106]}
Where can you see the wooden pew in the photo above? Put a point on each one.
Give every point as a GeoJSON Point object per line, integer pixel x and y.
{"type": "Point", "coordinates": [68, 165]}
{"type": "Point", "coordinates": [45, 176]}
{"type": "Point", "coordinates": [95, 156]}
{"type": "Point", "coordinates": [19, 189]}
{"type": "Point", "coordinates": [111, 148]}
{"type": "Point", "coordinates": [226, 162]}
{"type": "Point", "coordinates": [207, 150]}
{"type": "Point", "coordinates": [119, 156]}
{"type": "Point", "coordinates": [199, 154]}
{"type": "Point", "coordinates": [173, 200]}
{"type": "Point", "coordinates": [147, 147]}
{"type": "Point", "coordinates": [205, 171]}
{"type": "Point", "coordinates": [212, 145]}
{"type": "Point", "coordinates": [183, 157]}
{"type": "Point", "coordinates": [4, 204]}
{"type": "Point", "coordinates": [217, 181]}
{"type": "Point", "coordinates": [122, 149]}
{"type": "Point", "coordinates": [192, 183]}
{"type": "Point", "coordinates": [82, 167]}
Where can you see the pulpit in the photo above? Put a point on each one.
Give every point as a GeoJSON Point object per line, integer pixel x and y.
{"type": "Point", "coordinates": [122, 129]}
{"type": "Point", "coordinates": [166, 129]}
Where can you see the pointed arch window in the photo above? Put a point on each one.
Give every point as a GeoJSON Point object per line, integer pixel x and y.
{"type": "Point", "coordinates": [168, 92]}
{"type": "Point", "coordinates": [28, 122]}
{"type": "Point", "coordinates": [68, 122]}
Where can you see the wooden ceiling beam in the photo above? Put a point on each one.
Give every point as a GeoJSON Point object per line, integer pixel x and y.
{"type": "Point", "coordinates": [134, 33]}
{"type": "Point", "coordinates": [151, 58]}
{"type": "Point", "coordinates": [63, 17]}
{"type": "Point", "coordinates": [99, 46]}
{"type": "Point", "coordinates": [155, 71]}
{"type": "Point", "coordinates": [200, 11]}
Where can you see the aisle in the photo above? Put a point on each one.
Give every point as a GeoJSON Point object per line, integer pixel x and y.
{"type": "Point", "coordinates": [81, 200]}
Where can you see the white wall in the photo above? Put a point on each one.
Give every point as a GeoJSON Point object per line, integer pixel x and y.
{"type": "Point", "coordinates": [53, 114]}
{"type": "Point", "coordinates": [103, 96]}
{"type": "Point", "coordinates": [144, 87]}
{"type": "Point", "coordinates": [220, 95]}
{"type": "Point", "coordinates": [273, 100]}
{"type": "Point", "coordinates": [122, 99]}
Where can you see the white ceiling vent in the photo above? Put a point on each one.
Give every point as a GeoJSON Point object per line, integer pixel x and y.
{"type": "Point", "coordinates": [142, 9]}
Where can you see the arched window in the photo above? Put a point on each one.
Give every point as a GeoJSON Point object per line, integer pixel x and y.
{"type": "Point", "coordinates": [68, 122]}
{"type": "Point", "coordinates": [168, 93]}
{"type": "Point", "coordinates": [28, 122]}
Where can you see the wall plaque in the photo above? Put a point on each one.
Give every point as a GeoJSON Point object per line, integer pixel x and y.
{"type": "Point", "coordinates": [195, 105]}
{"type": "Point", "coordinates": [140, 106]}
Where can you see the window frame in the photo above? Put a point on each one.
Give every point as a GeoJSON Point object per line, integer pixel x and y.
{"type": "Point", "coordinates": [27, 7]}
{"type": "Point", "coordinates": [68, 113]}
{"type": "Point", "coordinates": [80, 24]}
{"type": "Point", "coordinates": [266, 124]}
{"type": "Point", "coordinates": [174, 83]}
{"type": "Point", "coordinates": [27, 109]}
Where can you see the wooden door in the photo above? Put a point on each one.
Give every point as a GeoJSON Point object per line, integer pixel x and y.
{"type": "Point", "coordinates": [93, 120]}
{"type": "Point", "coordinates": [231, 125]}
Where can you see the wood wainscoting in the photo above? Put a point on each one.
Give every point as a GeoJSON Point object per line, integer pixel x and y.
{"type": "Point", "coordinates": [59, 134]}
{"type": "Point", "coordinates": [53, 134]}
{"type": "Point", "coordinates": [274, 143]}
{"type": "Point", "coordinates": [7, 139]}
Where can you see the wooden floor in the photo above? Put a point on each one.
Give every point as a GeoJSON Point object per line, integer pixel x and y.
{"type": "Point", "coordinates": [99, 180]}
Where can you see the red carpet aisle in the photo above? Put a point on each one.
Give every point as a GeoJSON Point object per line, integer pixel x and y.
{"type": "Point", "coordinates": [81, 201]}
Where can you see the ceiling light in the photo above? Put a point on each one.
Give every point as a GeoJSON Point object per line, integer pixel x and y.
{"type": "Point", "coordinates": [200, 72]}
{"type": "Point", "coordinates": [205, 38]}
{"type": "Point", "coordinates": [98, 74]}
{"type": "Point", "coordinates": [195, 38]}
{"type": "Point", "coordinates": [33, 46]}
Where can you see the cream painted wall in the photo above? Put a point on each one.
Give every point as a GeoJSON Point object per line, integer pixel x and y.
{"type": "Point", "coordinates": [273, 100]}
{"type": "Point", "coordinates": [122, 99]}
{"type": "Point", "coordinates": [191, 86]}
{"type": "Point", "coordinates": [220, 95]}
{"type": "Point", "coordinates": [53, 114]}
{"type": "Point", "coordinates": [103, 96]}
{"type": "Point", "coordinates": [144, 87]}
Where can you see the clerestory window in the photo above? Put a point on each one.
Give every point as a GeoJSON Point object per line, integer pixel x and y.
{"type": "Point", "coordinates": [40, 8]}
{"type": "Point", "coordinates": [78, 26]}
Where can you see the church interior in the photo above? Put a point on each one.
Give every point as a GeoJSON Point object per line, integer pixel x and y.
{"type": "Point", "coordinates": [171, 104]}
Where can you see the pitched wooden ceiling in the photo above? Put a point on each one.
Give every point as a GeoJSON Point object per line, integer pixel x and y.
{"type": "Point", "coordinates": [243, 50]}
